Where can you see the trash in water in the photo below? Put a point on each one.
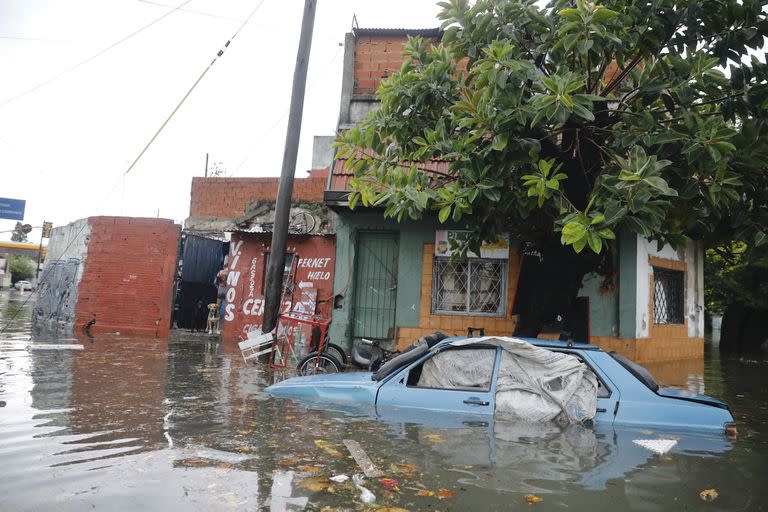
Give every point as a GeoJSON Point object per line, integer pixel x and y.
{"type": "Point", "coordinates": [708, 494]}
{"type": "Point", "coordinates": [660, 446]}
{"type": "Point", "coordinates": [339, 478]}
{"type": "Point", "coordinates": [366, 496]}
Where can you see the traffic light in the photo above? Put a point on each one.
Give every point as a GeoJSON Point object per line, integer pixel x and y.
{"type": "Point", "coordinates": [47, 227]}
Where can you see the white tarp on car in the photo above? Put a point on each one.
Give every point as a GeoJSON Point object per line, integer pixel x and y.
{"type": "Point", "coordinates": [534, 384]}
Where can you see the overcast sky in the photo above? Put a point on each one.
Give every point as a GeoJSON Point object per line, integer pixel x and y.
{"type": "Point", "coordinates": [64, 147]}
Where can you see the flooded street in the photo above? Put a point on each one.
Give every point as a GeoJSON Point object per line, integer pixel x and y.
{"type": "Point", "coordinates": [130, 424]}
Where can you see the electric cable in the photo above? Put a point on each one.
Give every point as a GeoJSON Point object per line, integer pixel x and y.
{"type": "Point", "coordinates": [122, 176]}
{"type": "Point", "coordinates": [184, 98]}
{"type": "Point", "coordinates": [87, 60]}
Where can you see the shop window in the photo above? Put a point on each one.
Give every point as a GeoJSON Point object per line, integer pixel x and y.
{"type": "Point", "coordinates": [286, 269]}
{"type": "Point", "coordinates": [469, 287]}
{"type": "Point", "coordinates": [668, 296]}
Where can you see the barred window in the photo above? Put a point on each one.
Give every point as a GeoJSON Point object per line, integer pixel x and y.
{"type": "Point", "coordinates": [469, 287]}
{"type": "Point", "coordinates": [668, 296]}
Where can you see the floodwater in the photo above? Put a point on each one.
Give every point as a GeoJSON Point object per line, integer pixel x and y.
{"type": "Point", "coordinates": [128, 424]}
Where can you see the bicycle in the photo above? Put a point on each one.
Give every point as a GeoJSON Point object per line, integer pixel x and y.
{"type": "Point", "coordinates": [330, 358]}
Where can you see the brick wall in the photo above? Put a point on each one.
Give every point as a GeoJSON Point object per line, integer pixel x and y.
{"type": "Point", "coordinates": [127, 282]}
{"type": "Point", "coordinates": [376, 57]}
{"type": "Point", "coordinates": [227, 197]}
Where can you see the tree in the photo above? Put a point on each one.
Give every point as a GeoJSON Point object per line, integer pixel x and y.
{"type": "Point", "coordinates": [20, 232]}
{"type": "Point", "coordinates": [570, 123]}
{"type": "Point", "coordinates": [21, 268]}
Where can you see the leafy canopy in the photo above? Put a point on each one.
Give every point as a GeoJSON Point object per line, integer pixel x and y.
{"type": "Point", "coordinates": [569, 122]}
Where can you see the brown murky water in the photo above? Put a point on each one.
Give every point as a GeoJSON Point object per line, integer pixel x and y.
{"type": "Point", "coordinates": [128, 424]}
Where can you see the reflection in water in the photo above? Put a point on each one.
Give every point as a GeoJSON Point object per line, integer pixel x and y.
{"type": "Point", "coordinates": [129, 424]}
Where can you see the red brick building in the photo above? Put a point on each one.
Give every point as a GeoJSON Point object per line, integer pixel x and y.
{"type": "Point", "coordinates": [242, 210]}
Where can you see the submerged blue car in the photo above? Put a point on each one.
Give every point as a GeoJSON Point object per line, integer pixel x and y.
{"type": "Point", "coordinates": [626, 393]}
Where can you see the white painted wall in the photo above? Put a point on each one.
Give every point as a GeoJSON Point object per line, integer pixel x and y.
{"type": "Point", "coordinates": [70, 241]}
{"type": "Point", "coordinates": [693, 256]}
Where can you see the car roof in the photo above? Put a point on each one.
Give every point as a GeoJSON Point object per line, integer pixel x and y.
{"type": "Point", "coordinates": [538, 342]}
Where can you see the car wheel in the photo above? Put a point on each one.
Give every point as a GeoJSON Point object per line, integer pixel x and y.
{"type": "Point", "coordinates": [314, 364]}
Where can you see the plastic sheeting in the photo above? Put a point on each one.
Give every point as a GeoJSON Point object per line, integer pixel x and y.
{"type": "Point", "coordinates": [534, 384]}
{"type": "Point", "coordinates": [457, 369]}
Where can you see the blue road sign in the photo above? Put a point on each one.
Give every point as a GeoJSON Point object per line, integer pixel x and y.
{"type": "Point", "coordinates": [12, 209]}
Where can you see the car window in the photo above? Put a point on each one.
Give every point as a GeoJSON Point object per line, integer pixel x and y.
{"type": "Point", "coordinates": [456, 369]}
{"type": "Point", "coordinates": [603, 391]}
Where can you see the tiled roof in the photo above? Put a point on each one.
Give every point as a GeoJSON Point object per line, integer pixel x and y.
{"type": "Point", "coordinates": [341, 177]}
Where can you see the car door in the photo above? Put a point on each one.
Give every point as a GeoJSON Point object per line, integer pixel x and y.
{"type": "Point", "coordinates": [608, 394]}
{"type": "Point", "coordinates": [428, 384]}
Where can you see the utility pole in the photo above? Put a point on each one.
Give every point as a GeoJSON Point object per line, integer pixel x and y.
{"type": "Point", "coordinates": [44, 233]}
{"type": "Point", "coordinates": [206, 165]}
{"type": "Point", "coordinates": [283, 207]}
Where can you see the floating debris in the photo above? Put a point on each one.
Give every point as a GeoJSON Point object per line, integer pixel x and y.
{"type": "Point", "coordinates": [366, 464]}
{"type": "Point", "coordinates": [660, 446]}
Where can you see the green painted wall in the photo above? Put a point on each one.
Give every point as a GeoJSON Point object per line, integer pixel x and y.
{"type": "Point", "coordinates": [613, 313]}
{"type": "Point", "coordinates": [627, 285]}
{"type": "Point", "coordinates": [412, 237]}
{"type": "Point", "coordinates": [603, 307]}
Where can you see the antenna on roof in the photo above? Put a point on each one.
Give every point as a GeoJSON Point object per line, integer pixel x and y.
{"type": "Point", "coordinates": [354, 22]}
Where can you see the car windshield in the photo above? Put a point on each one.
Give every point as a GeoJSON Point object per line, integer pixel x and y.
{"type": "Point", "coordinates": [637, 371]}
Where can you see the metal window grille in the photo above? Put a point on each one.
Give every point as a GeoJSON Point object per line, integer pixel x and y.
{"type": "Point", "coordinates": [668, 296]}
{"type": "Point", "coordinates": [470, 287]}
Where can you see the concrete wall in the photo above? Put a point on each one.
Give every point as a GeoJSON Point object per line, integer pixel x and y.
{"type": "Point", "coordinates": [622, 319]}
{"type": "Point", "coordinates": [244, 310]}
{"type": "Point", "coordinates": [691, 261]}
{"type": "Point", "coordinates": [57, 292]}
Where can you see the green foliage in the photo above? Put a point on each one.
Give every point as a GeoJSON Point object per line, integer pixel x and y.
{"type": "Point", "coordinates": [20, 232]}
{"type": "Point", "coordinates": [21, 268]}
{"type": "Point", "coordinates": [574, 121]}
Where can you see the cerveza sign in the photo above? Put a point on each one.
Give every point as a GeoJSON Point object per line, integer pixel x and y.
{"type": "Point", "coordinates": [12, 209]}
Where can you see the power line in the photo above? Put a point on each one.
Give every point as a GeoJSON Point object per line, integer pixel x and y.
{"type": "Point", "coordinates": [275, 125]}
{"type": "Point", "coordinates": [184, 98]}
{"type": "Point", "coordinates": [89, 59]}
{"type": "Point", "coordinates": [203, 13]}
{"type": "Point", "coordinates": [122, 176]}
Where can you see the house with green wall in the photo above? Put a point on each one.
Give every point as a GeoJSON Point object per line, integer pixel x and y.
{"type": "Point", "coordinates": [395, 281]}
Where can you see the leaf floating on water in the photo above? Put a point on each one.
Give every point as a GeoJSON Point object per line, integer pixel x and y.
{"type": "Point", "coordinates": [288, 461]}
{"type": "Point", "coordinates": [289, 418]}
{"type": "Point", "coordinates": [406, 468]}
{"type": "Point", "coordinates": [387, 483]}
{"type": "Point", "coordinates": [434, 438]}
{"type": "Point", "coordinates": [532, 498]}
{"type": "Point", "coordinates": [425, 494]}
{"type": "Point", "coordinates": [305, 468]}
{"type": "Point", "coordinates": [708, 494]}
{"type": "Point", "coordinates": [391, 509]}
{"type": "Point", "coordinates": [313, 484]}
{"type": "Point", "coordinates": [327, 448]}
{"type": "Point", "coordinates": [445, 493]}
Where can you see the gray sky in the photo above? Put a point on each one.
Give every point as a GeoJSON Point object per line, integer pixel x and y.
{"type": "Point", "coordinates": [65, 146]}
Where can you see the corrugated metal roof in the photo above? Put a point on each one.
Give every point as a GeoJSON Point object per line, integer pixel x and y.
{"type": "Point", "coordinates": [423, 32]}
